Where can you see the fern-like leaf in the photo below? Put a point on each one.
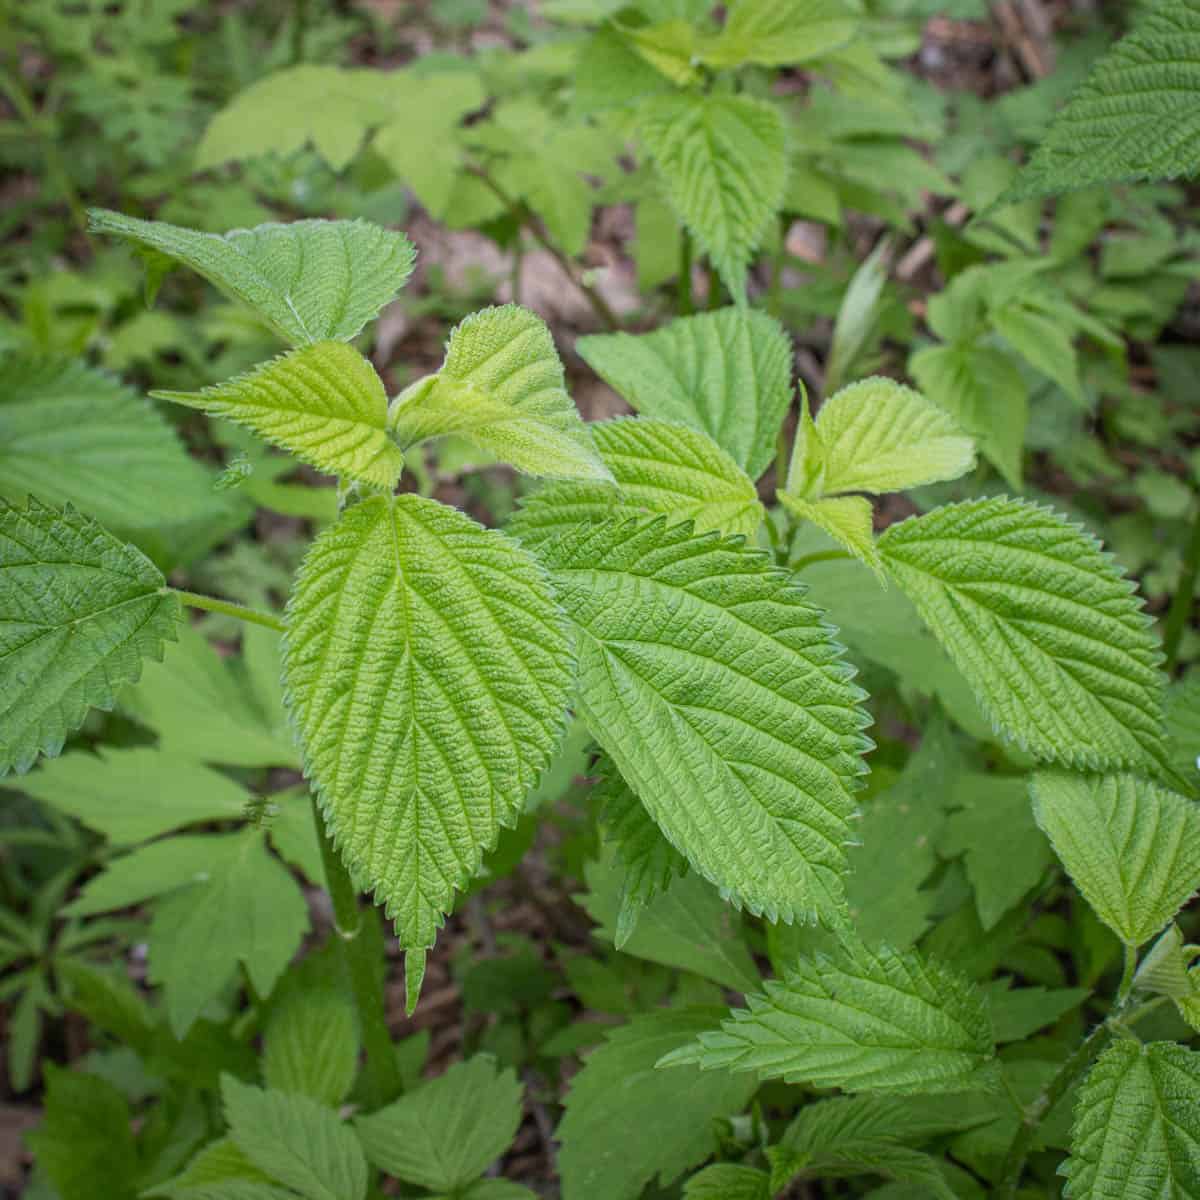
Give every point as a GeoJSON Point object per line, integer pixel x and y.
{"type": "Point", "coordinates": [720, 694]}
{"type": "Point", "coordinates": [502, 387]}
{"type": "Point", "coordinates": [79, 610]}
{"type": "Point", "coordinates": [311, 281]}
{"type": "Point", "coordinates": [427, 671]}
{"type": "Point", "coordinates": [727, 374]}
{"type": "Point", "coordinates": [1132, 848]}
{"type": "Point", "coordinates": [860, 1020]}
{"type": "Point", "coordinates": [323, 403]}
{"type": "Point", "coordinates": [724, 161]}
{"type": "Point", "coordinates": [1042, 624]}
{"type": "Point", "coordinates": [1137, 1125]}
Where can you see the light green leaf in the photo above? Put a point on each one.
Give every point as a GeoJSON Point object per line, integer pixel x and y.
{"type": "Point", "coordinates": [502, 388]}
{"type": "Point", "coordinates": [245, 910]}
{"type": "Point", "coordinates": [983, 389]}
{"type": "Point", "coordinates": [311, 1043]}
{"type": "Point", "coordinates": [857, 320]}
{"type": "Point", "coordinates": [295, 1141]}
{"type": "Point", "coordinates": [323, 403]}
{"type": "Point", "coordinates": [428, 673]}
{"type": "Point", "coordinates": [1134, 116]}
{"type": "Point", "coordinates": [1018, 1013]}
{"type": "Point", "coordinates": [84, 1144]}
{"type": "Point", "coordinates": [720, 694]}
{"type": "Point", "coordinates": [1042, 624]}
{"type": "Point", "coordinates": [774, 33]}
{"type": "Point", "coordinates": [73, 435]}
{"type": "Point", "coordinates": [79, 610]}
{"type": "Point", "coordinates": [843, 1121]}
{"type": "Point", "coordinates": [220, 1171]}
{"type": "Point", "coordinates": [659, 467]}
{"type": "Point", "coordinates": [447, 1132]}
{"type": "Point", "coordinates": [877, 436]}
{"type": "Point", "coordinates": [1043, 342]}
{"type": "Point", "coordinates": [686, 926]}
{"type": "Point", "coordinates": [728, 1181]}
{"type": "Point", "coordinates": [860, 1020]}
{"type": "Point", "coordinates": [1137, 1125]}
{"type": "Point", "coordinates": [1183, 728]}
{"type": "Point", "coordinates": [1131, 847]}
{"type": "Point", "coordinates": [311, 281]}
{"type": "Point", "coordinates": [1164, 969]}
{"type": "Point", "coordinates": [151, 870]}
{"type": "Point", "coordinates": [331, 107]}
{"type": "Point", "coordinates": [626, 1123]}
{"type": "Point", "coordinates": [132, 795]}
{"type": "Point", "coordinates": [727, 374]}
{"type": "Point", "coordinates": [849, 520]}
{"type": "Point", "coordinates": [723, 160]}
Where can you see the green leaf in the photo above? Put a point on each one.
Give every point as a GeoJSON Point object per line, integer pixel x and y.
{"type": "Point", "coordinates": [1131, 847]}
{"type": "Point", "coordinates": [311, 1043]}
{"type": "Point", "coordinates": [720, 694]}
{"type": "Point", "coordinates": [983, 389]}
{"type": "Point", "coordinates": [1042, 624]}
{"type": "Point", "coordinates": [446, 1132]}
{"type": "Point", "coordinates": [849, 520]}
{"type": "Point", "coordinates": [626, 1123]}
{"type": "Point", "coordinates": [295, 1141]}
{"type": "Point", "coordinates": [1004, 851]}
{"type": "Point", "coordinates": [133, 795]}
{"type": "Point", "coordinates": [247, 910]}
{"type": "Point", "coordinates": [723, 160]}
{"type": "Point", "coordinates": [856, 325]}
{"type": "Point", "coordinates": [659, 467]}
{"type": "Point", "coordinates": [1133, 117]}
{"type": "Point", "coordinates": [428, 672]}
{"type": "Point", "coordinates": [220, 1171]}
{"type": "Point", "coordinates": [1043, 342]}
{"type": "Point", "coordinates": [1137, 1125]}
{"type": "Point", "coordinates": [79, 610]}
{"type": "Point", "coordinates": [1183, 728]}
{"type": "Point", "coordinates": [73, 435]}
{"type": "Point", "coordinates": [501, 387]}
{"type": "Point", "coordinates": [774, 33]}
{"type": "Point", "coordinates": [311, 281]}
{"type": "Point", "coordinates": [330, 107]}
{"type": "Point", "coordinates": [1018, 1013]}
{"type": "Point", "coordinates": [727, 374]}
{"type": "Point", "coordinates": [877, 436]}
{"type": "Point", "coordinates": [728, 1181]}
{"type": "Point", "coordinates": [860, 1020]}
{"type": "Point", "coordinates": [84, 1144]}
{"type": "Point", "coordinates": [686, 926]}
{"type": "Point", "coordinates": [150, 870]}
{"type": "Point", "coordinates": [323, 403]}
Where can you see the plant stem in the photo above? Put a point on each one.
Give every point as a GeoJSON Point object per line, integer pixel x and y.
{"type": "Point", "coordinates": [714, 288]}
{"type": "Point", "coordinates": [807, 560]}
{"type": "Point", "coordinates": [529, 221]}
{"type": "Point", "coordinates": [687, 302]}
{"type": "Point", "coordinates": [381, 1075]}
{"type": "Point", "coordinates": [1128, 971]}
{"type": "Point", "coordinates": [229, 609]}
{"type": "Point", "coordinates": [299, 28]}
{"type": "Point", "coordinates": [1181, 602]}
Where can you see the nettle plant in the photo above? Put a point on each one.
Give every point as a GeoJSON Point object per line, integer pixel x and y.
{"type": "Point", "coordinates": [429, 666]}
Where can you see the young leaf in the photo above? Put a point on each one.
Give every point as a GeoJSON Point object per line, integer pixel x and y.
{"type": "Point", "coordinates": [774, 33]}
{"type": "Point", "coordinates": [85, 1145]}
{"type": "Point", "coordinates": [427, 670]}
{"type": "Point", "coordinates": [849, 520]}
{"type": "Point", "coordinates": [323, 403]}
{"type": "Point", "coordinates": [295, 1141]}
{"type": "Point", "coordinates": [73, 435]}
{"type": "Point", "coordinates": [447, 1132]}
{"type": "Point", "coordinates": [720, 694]}
{"type": "Point", "coordinates": [1042, 624]}
{"type": "Point", "coordinates": [1132, 848]}
{"type": "Point", "coordinates": [1133, 117]}
{"type": "Point", "coordinates": [860, 1020]}
{"type": "Point", "coordinates": [79, 610]}
{"type": "Point", "coordinates": [723, 159]}
{"type": "Point", "coordinates": [727, 374]}
{"type": "Point", "coordinates": [659, 467]}
{"type": "Point", "coordinates": [311, 281]}
{"type": "Point", "coordinates": [501, 387]}
{"type": "Point", "coordinates": [877, 436]}
{"type": "Point", "coordinates": [626, 1123]}
{"type": "Point", "coordinates": [135, 794]}
{"type": "Point", "coordinates": [1137, 1125]}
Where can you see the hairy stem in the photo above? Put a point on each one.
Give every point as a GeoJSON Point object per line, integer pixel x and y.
{"type": "Point", "coordinates": [229, 609]}
{"type": "Point", "coordinates": [364, 968]}
{"type": "Point", "coordinates": [686, 301]}
{"type": "Point", "coordinates": [529, 221]}
{"type": "Point", "coordinates": [1181, 602]}
{"type": "Point", "coordinates": [807, 560]}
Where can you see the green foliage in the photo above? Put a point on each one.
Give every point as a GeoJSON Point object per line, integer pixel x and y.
{"type": "Point", "coordinates": [323, 403]}
{"type": "Point", "coordinates": [773, 34]}
{"type": "Point", "coordinates": [79, 611]}
{"type": "Point", "coordinates": [416, 637]}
